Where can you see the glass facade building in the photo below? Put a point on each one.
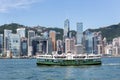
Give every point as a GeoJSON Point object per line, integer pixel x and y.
{"type": "Point", "coordinates": [1, 43]}
{"type": "Point", "coordinates": [14, 44]}
{"type": "Point", "coordinates": [59, 46]}
{"type": "Point", "coordinates": [66, 28]}
{"type": "Point", "coordinates": [41, 45]}
{"type": "Point", "coordinates": [89, 42]}
{"type": "Point", "coordinates": [31, 35]}
{"type": "Point", "coordinates": [6, 40]}
{"type": "Point", "coordinates": [24, 48]}
{"type": "Point", "coordinates": [79, 33]}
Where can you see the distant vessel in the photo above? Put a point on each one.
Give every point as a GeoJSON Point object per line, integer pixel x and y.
{"type": "Point", "coordinates": [69, 59]}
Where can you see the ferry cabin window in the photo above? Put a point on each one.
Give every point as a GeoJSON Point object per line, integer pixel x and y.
{"type": "Point", "coordinates": [42, 60]}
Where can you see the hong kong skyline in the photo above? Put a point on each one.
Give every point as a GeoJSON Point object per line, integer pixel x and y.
{"type": "Point", "coordinates": [52, 13]}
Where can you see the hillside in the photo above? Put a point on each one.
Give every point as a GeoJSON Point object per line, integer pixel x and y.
{"type": "Point", "coordinates": [109, 32]}
{"type": "Point", "coordinates": [12, 26]}
{"type": "Point", "coordinates": [37, 29]}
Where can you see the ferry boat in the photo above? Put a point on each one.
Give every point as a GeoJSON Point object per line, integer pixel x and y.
{"type": "Point", "coordinates": [69, 59]}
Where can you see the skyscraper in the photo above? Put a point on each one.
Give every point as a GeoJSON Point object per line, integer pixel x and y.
{"type": "Point", "coordinates": [21, 32]}
{"type": "Point", "coordinates": [95, 43]}
{"type": "Point", "coordinates": [79, 49]}
{"type": "Point", "coordinates": [69, 45]}
{"type": "Point", "coordinates": [31, 35]}
{"type": "Point", "coordinates": [89, 42]}
{"type": "Point", "coordinates": [66, 28]}
{"type": "Point", "coordinates": [41, 45]}
{"type": "Point", "coordinates": [24, 48]}
{"type": "Point", "coordinates": [59, 46]}
{"type": "Point", "coordinates": [79, 33]}
{"type": "Point", "coordinates": [45, 34]}
{"type": "Point", "coordinates": [52, 35]}
{"type": "Point", "coordinates": [1, 43]}
{"type": "Point", "coordinates": [6, 40]}
{"type": "Point", "coordinates": [14, 44]}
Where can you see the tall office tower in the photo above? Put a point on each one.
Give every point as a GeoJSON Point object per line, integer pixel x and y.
{"type": "Point", "coordinates": [45, 34]}
{"type": "Point", "coordinates": [1, 43]}
{"type": "Point", "coordinates": [99, 37]}
{"type": "Point", "coordinates": [69, 45]}
{"type": "Point", "coordinates": [115, 42]}
{"type": "Point", "coordinates": [6, 40]}
{"type": "Point", "coordinates": [100, 44]}
{"type": "Point", "coordinates": [119, 41]}
{"type": "Point", "coordinates": [100, 49]}
{"type": "Point", "coordinates": [52, 35]}
{"type": "Point", "coordinates": [14, 44]}
{"type": "Point", "coordinates": [70, 35]}
{"type": "Point", "coordinates": [31, 35]}
{"type": "Point", "coordinates": [89, 42]}
{"type": "Point", "coordinates": [41, 45]}
{"type": "Point", "coordinates": [116, 46]}
{"type": "Point", "coordinates": [59, 46]}
{"type": "Point", "coordinates": [66, 29]}
{"type": "Point", "coordinates": [95, 43]}
{"type": "Point", "coordinates": [21, 32]}
{"type": "Point", "coordinates": [84, 40]}
{"type": "Point", "coordinates": [79, 33]}
{"type": "Point", "coordinates": [79, 49]}
{"type": "Point", "coordinates": [105, 41]}
{"type": "Point", "coordinates": [24, 48]}
{"type": "Point", "coordinates": [49, 46]}
{"type": "Point", "coordinates": [109, 49]}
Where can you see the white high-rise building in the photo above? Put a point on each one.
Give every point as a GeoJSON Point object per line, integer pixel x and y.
{"type": "Point", "coordinates": [31, 35]}
{"type": "Point", "coordinates": [116, 46]}
{"type": "Point", "coordinates": [109, 49]}
{"type": "Point", "coordinates": [21, 32]}
{"type": "Point", "coordinates": [79, 33]}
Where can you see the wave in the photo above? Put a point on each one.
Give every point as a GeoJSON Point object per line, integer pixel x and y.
{"type": "Point", "coordinates": [112, 64]}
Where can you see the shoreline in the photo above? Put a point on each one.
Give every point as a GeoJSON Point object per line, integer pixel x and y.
{"type": "Point", "coordinates": [36, 58]}
{"type": "Point", "coordinates": [18, 58]}
{"type": "Point", "coordinates": [111, 56]}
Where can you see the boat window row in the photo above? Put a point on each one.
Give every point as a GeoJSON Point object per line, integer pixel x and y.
{"type": "Point", "coordinates": [60, 56]}
{"type": "Point", "coordinates": [78, 56]}
{"type": "Point", "coordinates": [93, 56]}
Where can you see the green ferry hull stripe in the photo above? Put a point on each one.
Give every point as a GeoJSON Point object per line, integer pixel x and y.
{"type": "Point", "coordinates": [68, 62]}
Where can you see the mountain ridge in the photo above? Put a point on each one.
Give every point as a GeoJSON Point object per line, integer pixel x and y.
{"type": "Point", "coordinates": [109, 32]}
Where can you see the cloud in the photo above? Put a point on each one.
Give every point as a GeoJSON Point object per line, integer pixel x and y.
{"type": "Point", "coordinates": [7, 5]}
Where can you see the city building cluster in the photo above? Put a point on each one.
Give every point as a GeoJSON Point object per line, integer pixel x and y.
{"type": "Point", "coordinates": [113, 48]}
{"type": "Point", "coordinates": [18, 45]}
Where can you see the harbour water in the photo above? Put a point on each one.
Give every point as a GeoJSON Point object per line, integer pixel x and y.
{"type": "Point", "coordinates": [26, 69]}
